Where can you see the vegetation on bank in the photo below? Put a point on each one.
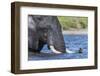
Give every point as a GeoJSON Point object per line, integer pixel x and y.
{"type": "Point", "coordinates": [71, 22]}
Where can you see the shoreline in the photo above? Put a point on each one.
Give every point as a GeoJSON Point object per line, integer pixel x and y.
{"type": "Point", "coordinates": [82, 31]}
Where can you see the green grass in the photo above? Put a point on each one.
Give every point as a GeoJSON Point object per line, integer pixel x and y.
{"type": "Point", "coordinates": [71, 22]}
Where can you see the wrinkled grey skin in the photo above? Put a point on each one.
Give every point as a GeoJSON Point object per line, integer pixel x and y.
{"type": "Point", "coordinates": [44, 30]}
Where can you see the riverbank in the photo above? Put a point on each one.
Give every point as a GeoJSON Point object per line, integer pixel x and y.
{"type": "Point", "coordinates": [81, 31]}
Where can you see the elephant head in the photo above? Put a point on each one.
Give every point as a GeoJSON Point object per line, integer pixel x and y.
{"type": "Point", "coordinates": [45, 30]}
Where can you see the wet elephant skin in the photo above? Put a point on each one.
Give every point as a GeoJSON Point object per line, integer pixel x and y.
{"type": "Point", "coordinates": [44, 30]}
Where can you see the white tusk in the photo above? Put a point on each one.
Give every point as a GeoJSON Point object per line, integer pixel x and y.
{"type": "Point", "coordinates": [54, 50]}
{"type": "Point", "coordinates": [69, 51]}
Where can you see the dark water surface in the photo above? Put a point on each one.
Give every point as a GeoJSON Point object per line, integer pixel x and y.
{"type": "Point", "coordinates": [73, 42]}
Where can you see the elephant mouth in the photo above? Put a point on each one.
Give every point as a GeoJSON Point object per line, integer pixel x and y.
{"type": "Point", "coordinates": [45, 35]}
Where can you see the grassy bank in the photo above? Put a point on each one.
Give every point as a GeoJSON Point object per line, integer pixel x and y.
{"type": "Point", "coordinates": [71, 22]}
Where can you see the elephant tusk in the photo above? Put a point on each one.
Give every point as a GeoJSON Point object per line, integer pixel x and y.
{"type": "Point", "coordinates": [69, 51]}
{"type": "Point", "coordinates": [79, 51]}
{"type": "Point", "coordinates": [54, 50]}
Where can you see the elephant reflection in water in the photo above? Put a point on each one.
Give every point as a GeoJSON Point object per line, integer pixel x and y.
{"type": "Point", "coordinates": [45, 30]}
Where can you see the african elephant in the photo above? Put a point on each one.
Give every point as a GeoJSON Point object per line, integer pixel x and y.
{"type": "Point", "coordinates": [45, 30]}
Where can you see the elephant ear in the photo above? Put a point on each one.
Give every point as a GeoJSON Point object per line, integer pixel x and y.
{"type": "Point", "coordinates": [32, 36]}
{"type": "Point", "coordinates": [56, 36]}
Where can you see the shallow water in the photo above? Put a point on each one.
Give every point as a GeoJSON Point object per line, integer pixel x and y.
{"type": "Point", "coordinates": [73, 42]}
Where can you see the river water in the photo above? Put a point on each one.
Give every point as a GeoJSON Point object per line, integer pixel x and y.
{"type": "Point", "coordinates": [73, 43]}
